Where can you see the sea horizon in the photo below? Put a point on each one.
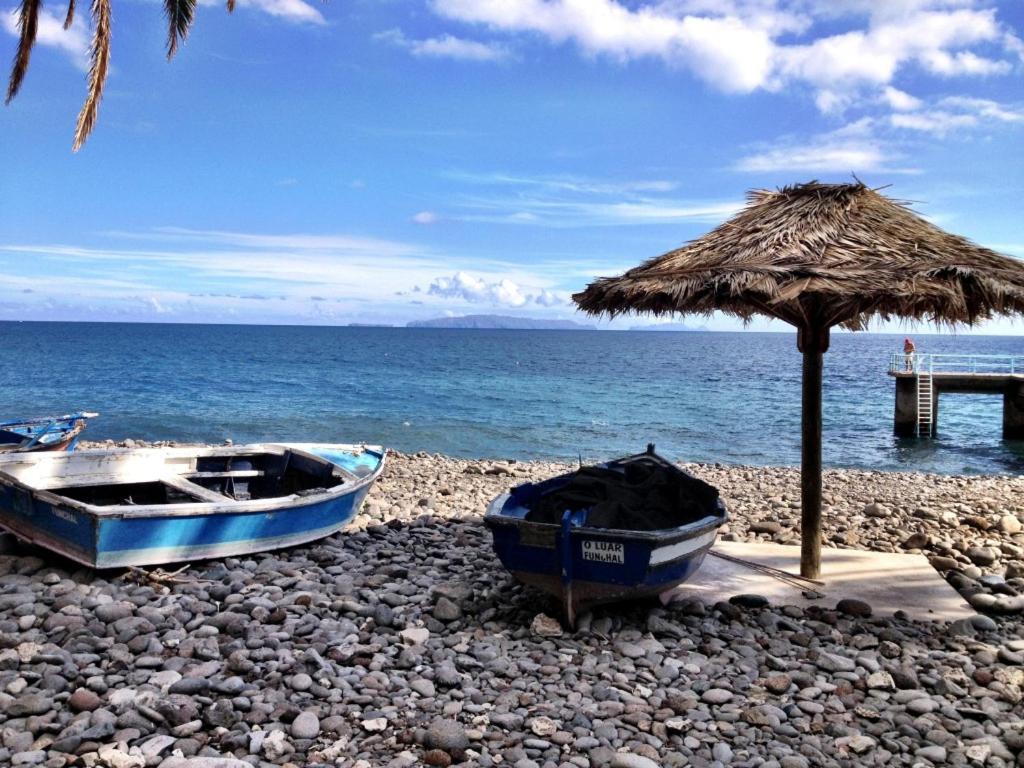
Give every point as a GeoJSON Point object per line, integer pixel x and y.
{"type": "Point", "coordinates": [781, 330]}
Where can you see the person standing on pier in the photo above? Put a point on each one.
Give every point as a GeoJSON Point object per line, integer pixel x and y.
{"type": "Point", "coordinates": [909, 350]}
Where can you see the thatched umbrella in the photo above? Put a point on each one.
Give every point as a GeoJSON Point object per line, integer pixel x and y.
{"type": "Point", "coordinates": [817, 256]}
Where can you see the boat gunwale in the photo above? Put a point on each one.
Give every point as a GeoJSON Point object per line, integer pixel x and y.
{"type": "Point", "coordinates": [196, 509]}
{"type": "Point", "coordinates": [493, 517]}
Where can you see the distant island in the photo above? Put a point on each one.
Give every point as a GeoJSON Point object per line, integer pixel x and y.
{"type": "Point", "coordinates": [502, 322]}
{"type": "Point", "coordinates": [667, 327]}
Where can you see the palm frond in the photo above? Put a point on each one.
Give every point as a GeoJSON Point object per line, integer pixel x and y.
{"type": "Point", "coordinates": [97, 71]}
{"type": "Point", "coordinates": [70, 18]}
{"type": "Point", "coordinates": [28, 20]}
{"type": "Point", "coordinates": [180, 14]}
{"type": "Point", "coordinates": [231, 6]}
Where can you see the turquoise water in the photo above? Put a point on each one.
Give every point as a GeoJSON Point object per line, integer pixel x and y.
{"type": "Point", "coordinates": [726, 397]}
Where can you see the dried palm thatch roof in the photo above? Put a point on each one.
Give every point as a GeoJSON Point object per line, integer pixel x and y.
{"type": "Point", "coordinates": [818, 255]}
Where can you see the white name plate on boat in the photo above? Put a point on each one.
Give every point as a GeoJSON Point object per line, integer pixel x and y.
{"type": "Point", "coordinates": [604, 551]}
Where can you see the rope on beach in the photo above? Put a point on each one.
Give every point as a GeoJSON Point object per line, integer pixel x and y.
{"type": "Point", "coordinates": [794, 580]}
{"type": "Point", "coordinates": [158, 575]}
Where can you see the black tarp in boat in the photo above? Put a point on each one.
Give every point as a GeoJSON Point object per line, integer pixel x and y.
{"type": "Point", "coordinates": [645, 494]}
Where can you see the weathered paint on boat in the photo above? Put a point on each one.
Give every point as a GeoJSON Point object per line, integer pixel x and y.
{"type": "Point", "coordinates": [585, 566]}
{"type": "Point", "coordinates": [48, 433]}
{"type": "Point", "coordinates": [133, 535]}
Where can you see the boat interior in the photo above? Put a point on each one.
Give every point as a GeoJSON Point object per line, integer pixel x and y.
{"type": "Point", "coordinates": [225, 477]}
{"type": "Point", "coordinates": [641, 493]}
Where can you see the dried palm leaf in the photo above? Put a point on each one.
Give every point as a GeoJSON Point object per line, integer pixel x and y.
{"type": "Point", "coordinates": [231, 6]}
{"type": "Point", "coordinates": [180, 15]}
{"type": "Point", "coordinates": [28, 20]}
{"type": "Point", "coordinates": [827, 254]}
{"type": "Point", "coordinates": [97, 71]}
{"type": "Point", "coordinates": [70, 18]}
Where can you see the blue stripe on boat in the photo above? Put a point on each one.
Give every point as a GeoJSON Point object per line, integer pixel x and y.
{"type": "Point", "coordinates": [176, 538]}
{"type": "Point", "coordinates": [24, 512]}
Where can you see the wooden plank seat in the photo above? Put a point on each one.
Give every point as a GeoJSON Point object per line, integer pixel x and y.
{"type": "Point", "coordinates": [194, 489]}
{"type": "Point", "coordinates": [225, 474]}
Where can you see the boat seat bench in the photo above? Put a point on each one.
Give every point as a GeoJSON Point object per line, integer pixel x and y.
{"type": "Point", "coordinates": [226, 473]}
{"type": "Point", "coordinates": [193, 489]}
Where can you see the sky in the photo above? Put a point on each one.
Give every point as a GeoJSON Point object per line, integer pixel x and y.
{"type": "Point", "coordinates": [380, 161]}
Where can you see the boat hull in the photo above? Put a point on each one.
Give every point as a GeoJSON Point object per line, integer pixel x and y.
{"type": "Point", "coordinates": [586, 594]}
{"type": "Point", "coordinates": [587, 566]}
{"type": "Point", "coordinates": [643, 566]}
{"type": "Point", "coordinates": [58, 433]}
{"type": "Point", "coordinates": [210, 531]}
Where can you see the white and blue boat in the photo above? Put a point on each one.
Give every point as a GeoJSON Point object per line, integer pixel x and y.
{"type": "Point", "coordinates": [48, 433]}
{"type": "Point", "coordinates": [150, 506]}
{"type": "Point", "coordinates": [623, 530]}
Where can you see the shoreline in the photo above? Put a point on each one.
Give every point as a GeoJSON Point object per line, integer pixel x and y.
{"type": "Point", "coordinates": [401, 641]}
{"type": "Point", "coordinates": [564, 463]}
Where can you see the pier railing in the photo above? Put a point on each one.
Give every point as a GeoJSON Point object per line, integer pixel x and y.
{"type": "Point", "coordinates": [930, 363]}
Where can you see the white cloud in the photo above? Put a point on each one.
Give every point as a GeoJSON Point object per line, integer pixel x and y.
{"type": "Point", "coordinates": [963, 63]}
{"type": "Point", "coordinates": [569, 183]}
{"type": "Point", "coordinates": [153, 303]}
{"type": "Point", "coordinates": [73, 42]}
{"type": "Point", "coordinates": [548, 298]}
{"type": "Point", "coordinates": [746, 45]}
{"type": "Point", "coordinates": [900, 100]}
{"type": "Point", "coordinates": [956, 113]}
{"type": "Point", "coordinates": [729, 52]}
{"type": "Point", "coordinates": [872, 57]}
{"type": "Point", "coordinates": [879, 143]}
{"type": "Point", "coordinates": [425, 218]}
{"type": "Point", "coordinates": [445, 47]}
{"type": "Point", "coordinates": [475, 290]}
{"type": "Point", "coordinates": [851, 149]}
{"type": "Point", "coordinates": [501, 293]}
{"type": "Point", "coordinates": [574, 201]}
{"type": "Point", "coordinates": [554, 212]}
{"type": "Point", "coordinates": [984, 108]}
{"type": "Point", "coordinates": [297, 11]}
{"type": "Point", "coordinates": [937, 121]}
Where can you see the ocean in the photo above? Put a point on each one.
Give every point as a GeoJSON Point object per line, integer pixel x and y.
{"type": "Point", "coordinates": [699, 396]}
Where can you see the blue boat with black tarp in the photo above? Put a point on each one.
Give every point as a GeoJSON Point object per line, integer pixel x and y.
{"type": "Point", "coordinates": [621, 530]}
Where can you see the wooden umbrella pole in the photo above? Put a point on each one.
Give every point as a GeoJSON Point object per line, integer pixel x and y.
{"type": "Point", "coordinates": [813, 343]}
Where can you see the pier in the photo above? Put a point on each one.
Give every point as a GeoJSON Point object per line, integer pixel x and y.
{"type": "Point", "coordinates": [921, 378]}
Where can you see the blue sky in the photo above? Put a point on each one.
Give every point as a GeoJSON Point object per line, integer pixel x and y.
{"type": "Point", "coordinates": [382, 161]}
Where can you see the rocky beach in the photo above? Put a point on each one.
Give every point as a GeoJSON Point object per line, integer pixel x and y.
{"type": "Point", "coordinates": [401, 641]}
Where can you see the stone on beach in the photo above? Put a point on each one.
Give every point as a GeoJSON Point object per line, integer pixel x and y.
{"type": "Point", "coordinates": [446, 735]}
{"type": "Point", "coordinates": [852, 607]}
{"type": "Point", "coordinates": [447, 610]}
{"type": "Point", "coordinates": [306, 726]}
{"type": "Point", "coordinates": [545, 626]}
{"type": "Point", "coordinates": [627, 760]}
{"type": "Point", "coordinates": [1010, 524]}
{"type": "Point", "coordinates": [84, 700]}
{"type": "Point", "coordinates": [874, 509]}
{"type": "Point", "coordinates": [415, 635]}
{"type": "Point", "coordinates": [716, 696]}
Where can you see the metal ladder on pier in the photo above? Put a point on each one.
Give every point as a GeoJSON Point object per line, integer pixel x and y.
{"type": "Point", "coordinates": [925, 416]}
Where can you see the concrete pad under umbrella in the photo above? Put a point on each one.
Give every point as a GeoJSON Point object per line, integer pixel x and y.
{"type": "Point", "coordinates": [817, 256]}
